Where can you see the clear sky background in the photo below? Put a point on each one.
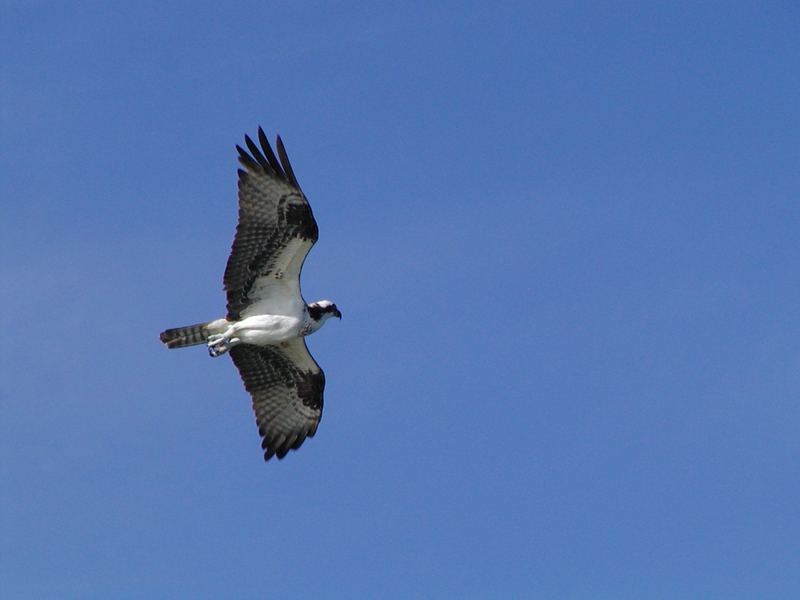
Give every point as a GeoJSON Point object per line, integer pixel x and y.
{"type": "Point", "coordinates": [564, 237]}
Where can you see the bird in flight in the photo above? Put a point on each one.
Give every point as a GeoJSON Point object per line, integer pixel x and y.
{"type": "Point", "coordinates": [267, 320]}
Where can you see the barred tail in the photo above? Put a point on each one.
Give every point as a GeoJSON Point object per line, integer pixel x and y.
{"type": "Point", "coordinates": [191, 335]}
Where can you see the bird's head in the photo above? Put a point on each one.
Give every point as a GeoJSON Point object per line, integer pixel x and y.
{"type": "Point", "coordinates": [321, 311]}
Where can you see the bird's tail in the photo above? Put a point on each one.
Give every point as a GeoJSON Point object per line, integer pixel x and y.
{"type": "Point", "coordinates": [191, 335]}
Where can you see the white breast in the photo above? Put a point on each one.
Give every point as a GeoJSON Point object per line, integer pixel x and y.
{"type": "Point", "coordinates": [262, 330]}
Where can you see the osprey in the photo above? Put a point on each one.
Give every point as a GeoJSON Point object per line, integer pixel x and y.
{"type": "Point", "coordinates": [267, 318]}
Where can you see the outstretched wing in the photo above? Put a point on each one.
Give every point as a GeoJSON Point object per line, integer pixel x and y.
{"type": "Point", "coordinates": [286, 385]}
{"type": "Point", "coordinates": [276, 230]}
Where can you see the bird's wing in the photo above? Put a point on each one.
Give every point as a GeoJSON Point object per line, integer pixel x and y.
{"type": "Point", "coordinates": [286, 385]}
{"type": "Point", "coordinates": [276, 230]}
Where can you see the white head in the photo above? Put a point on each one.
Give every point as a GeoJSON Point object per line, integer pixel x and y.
{"type": "Point", "coordinates": [321, 311]}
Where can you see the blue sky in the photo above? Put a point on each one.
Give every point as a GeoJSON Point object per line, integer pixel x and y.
{"type": "Point", "coordinates": [564, 237]}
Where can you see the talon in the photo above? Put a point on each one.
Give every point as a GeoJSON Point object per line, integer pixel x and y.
{"type": "Point", "coordinates": [218, 346]}
{"type": "Point", "coordinates": [214, 351]}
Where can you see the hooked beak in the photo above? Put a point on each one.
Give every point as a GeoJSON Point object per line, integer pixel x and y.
{"type": "Point", "coordinates": [337, 313]}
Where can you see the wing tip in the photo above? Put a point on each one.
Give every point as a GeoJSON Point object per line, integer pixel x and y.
{"type": "Point", "coordinates": [287, 166]}
{"type": "Point", "coordinates": [264, 158]}
{"type": "Point", "coordinates": [281, 446]}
